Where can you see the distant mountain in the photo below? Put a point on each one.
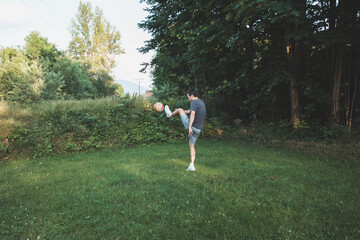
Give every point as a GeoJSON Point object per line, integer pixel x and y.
{"type": "Point", "coordinates": [130, 87]}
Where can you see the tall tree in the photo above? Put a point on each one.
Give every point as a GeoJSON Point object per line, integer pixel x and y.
{"type": "Point", "coordinates": [94, 39]}
{"type": "Point", "coordinates": [343, 24]}
{"type": "Point", "coordinates": [294, 31]}
{"type": "Point", "coordinates": [265, 58]}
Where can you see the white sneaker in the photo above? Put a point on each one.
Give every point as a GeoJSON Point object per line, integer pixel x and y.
{"type": "Point", "coordinates": [191, 168]}
{"type": "Point", "coordinates": [167, 111]}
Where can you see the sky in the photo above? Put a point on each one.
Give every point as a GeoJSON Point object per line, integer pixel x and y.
{"type": "Point", "coordinates": [52, 18]}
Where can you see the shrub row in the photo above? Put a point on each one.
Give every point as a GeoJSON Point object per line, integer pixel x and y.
{"type": "Point", "coordinates": [62, 127]}
{"type": "Point", "coordinates": [332, 140]}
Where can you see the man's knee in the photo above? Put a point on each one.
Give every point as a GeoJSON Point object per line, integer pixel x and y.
{"type": "Point", "coordinates": [180, 110]}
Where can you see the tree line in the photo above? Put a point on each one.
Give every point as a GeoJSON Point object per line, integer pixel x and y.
{"type": "Point", "coordinates": [39, 71]}
{"type": "Point", "coordinates": [266, 60]}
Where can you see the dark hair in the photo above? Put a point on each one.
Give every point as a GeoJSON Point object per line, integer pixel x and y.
{"type": "Point", "coordinates": [192, 92]}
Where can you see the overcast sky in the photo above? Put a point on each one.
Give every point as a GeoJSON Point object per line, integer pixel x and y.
{"type": "Point", "coordinates": [51, 18]}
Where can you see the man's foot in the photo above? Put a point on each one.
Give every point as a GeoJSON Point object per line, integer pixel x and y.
{"type": "Point", "coordinates": [191, 168]}
{"type": "Point", "coordinates": [167, 111]}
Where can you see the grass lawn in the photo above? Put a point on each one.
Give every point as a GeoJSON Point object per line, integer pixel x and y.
{"type": "Point", "coordinates": [239, 191]}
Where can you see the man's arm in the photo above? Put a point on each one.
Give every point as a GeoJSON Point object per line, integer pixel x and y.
{"type": "Point", "coordinates": [192, 117]}
{"type": "Point", "coordinates": [187, 111]}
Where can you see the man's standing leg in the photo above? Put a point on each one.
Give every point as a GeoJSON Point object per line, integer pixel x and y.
{"type": "Point", "coordinates": [185, 121]}
{"type": "Point", "coordinates": [192, 157]}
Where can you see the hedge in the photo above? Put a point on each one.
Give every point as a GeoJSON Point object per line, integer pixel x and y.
{"type": "Point", "coordinates": [62, 127]}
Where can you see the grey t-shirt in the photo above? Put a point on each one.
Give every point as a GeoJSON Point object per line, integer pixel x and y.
{"type": "Point", "coordinates": [199, 108]}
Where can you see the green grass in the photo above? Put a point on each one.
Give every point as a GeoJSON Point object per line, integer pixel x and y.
{"type": "Point", "coordinates": [239, 191]}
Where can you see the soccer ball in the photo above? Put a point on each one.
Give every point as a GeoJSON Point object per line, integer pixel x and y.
{"type": "Point", "coordinates": [158, 107]}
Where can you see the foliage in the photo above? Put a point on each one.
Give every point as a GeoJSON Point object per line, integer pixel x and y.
{"type": "Point", "coordinates": [95, 43]}
{"type": "Point", "coordinates": [93, 38]}
{"type": "Point", "coordinates": [20, 80]}
{"type": "Point", "coordinates": [61, 127]}
{"type": "Point", "coordinates": [53, 84]}
{"type": "Point", "coordinates": [37, 47]}
{"type": "Point", "coordinates": [40, 71]}
{"type": "Point", "coordinates": [77, 84]}
{"type": "Point", "coordinates": [103, 84]}
{"type": "Point", "coordinates": [119, 90]}
{"type": "Point", "coordinates": [244, 56]}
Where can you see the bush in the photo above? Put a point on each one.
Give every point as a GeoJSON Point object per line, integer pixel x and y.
{"type": "Point", "coordinates": [60, 127]}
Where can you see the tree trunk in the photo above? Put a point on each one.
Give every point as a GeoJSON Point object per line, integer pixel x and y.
{"type": "Point", "coordinates": [337, 77]}
{"type": "Point", "coordinates": [295, 58]}
{"type": "Point", "coordinates": [337, 57]}
{"type": "Point", "coordinates": [353, 74]}
{"type": "Point", "coordinates": [353, 57]}
{"type": "Point", "coordinates": [295, 113]}
{"type": "Point", "coordinates": [292, 51]}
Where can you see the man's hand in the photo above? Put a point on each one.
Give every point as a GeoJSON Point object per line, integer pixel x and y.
{"type": "Point", "coordinates": [192, 118]}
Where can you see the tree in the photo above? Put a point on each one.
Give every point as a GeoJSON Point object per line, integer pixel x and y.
{"type": "Point", "coordinates": [267, 59]}
{"type": "Point", "coordinates": [102, 83]}
{"type": "Point", "coordinates": [343, 24]}
{"type": "Point", "coordinates": [37, 47]}
{"type": "Point", "coordinates": [72, 78]}
{"type": "Point", "coordinates": [119, 90]}
{"type": "Point", "coordinates": [20, 79]}
{"type": "Point", "coordinates": [94, 39]}
{"type": "Point", "coordinates": [52, 90]}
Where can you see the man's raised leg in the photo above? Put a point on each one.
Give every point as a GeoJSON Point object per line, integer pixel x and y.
{"type": "Point", "coordinates": [178, 111]}
{"type": "Point", "coordinates": [167, 111]}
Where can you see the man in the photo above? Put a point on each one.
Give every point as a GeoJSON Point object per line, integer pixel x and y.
{"type": "Point", "coordinates": [194, 125]}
